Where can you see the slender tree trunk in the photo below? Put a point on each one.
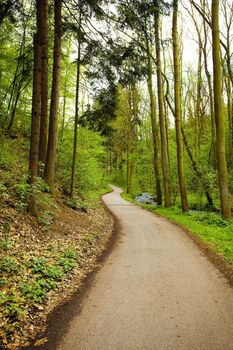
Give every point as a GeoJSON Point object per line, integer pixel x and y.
{"type": "Point", "coordinates": [229, 112]}
{"type": "Point", "coordinates": [197, 170]}
{"type": "Point", "coordinates": [219, 113]}
{"type": "Point", "coordinates": [198, 101]}
{"type": "Point", "coordinates": [44, 81]}
{"type": "Point", "coordinates": [154, 128]}
{"type": "Point", "coordinates": [210, 88]}
{"type": "Point", "coordinates": [51, 151]}
{"type": "Point", "coordinates": [63, 114]}
{"type": "Point", "coordinates": [15, 84]}
{"type": "Point", "coordinates": [72, 185]}
{"type": "Point", "coordinates": [178, 111]}
{"type": "Point", "coordinates": [14, 107]}
{"type": "Point", "coordinates": [188, 149]}
{"type": "Point", "coordinates": [35, 123]}
{"type": "Point", "coordinates": [161, 113]}
{"type": "Point", "coordinates": [129, 145]}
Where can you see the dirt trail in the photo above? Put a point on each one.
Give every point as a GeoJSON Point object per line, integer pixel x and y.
{"type": "Point", "coordinates": [155, 291]}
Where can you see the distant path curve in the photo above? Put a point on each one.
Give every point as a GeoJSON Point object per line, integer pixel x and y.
{"type": "Point", "coordinates": [155, 291]}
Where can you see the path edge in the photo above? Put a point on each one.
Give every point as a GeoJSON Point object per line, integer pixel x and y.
{"type": "Point", "coordinates": [59, 319]}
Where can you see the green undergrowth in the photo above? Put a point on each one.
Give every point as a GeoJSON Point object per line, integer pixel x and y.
{"type": "Point", "coordinates": [208, 226]}
{"type": "Point", "coordinates": [90, 200]}
{"type": "Point", "coordinates": [26, 276]}
{"type": "Point", "coordinates": [25, 281]}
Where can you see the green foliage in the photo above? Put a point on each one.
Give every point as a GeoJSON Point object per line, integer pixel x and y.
{"type": "Point", "coordinates": [8, 265]}
{"type": "Point", "coordinates": [22, 190]}
{"type": "Point", "coordinates": [3, 193]}
{"type": "Point", "coordinates": [46, 219]}
{"type": "Point", "coordinates": [36, 290]}
{"type": "Point", "coordinates": [212, 219]}
{"type": "Point", "coordinates": [78, 204]}
{"type": "Point", "coordinates": [5, 229]}
{"type": "Point", "coordinates": [89, 172]}
{"type": "Point", "coordinates": [88, 238]}
{"type": "Point", "coordinates": [39, 186]}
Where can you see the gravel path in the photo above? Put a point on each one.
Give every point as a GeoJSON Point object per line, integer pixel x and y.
{"type": "Point", "coordinates": [155, 291]}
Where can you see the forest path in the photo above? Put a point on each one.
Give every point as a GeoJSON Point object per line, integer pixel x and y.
{"type": "Point", "coordinates": [155, 291]}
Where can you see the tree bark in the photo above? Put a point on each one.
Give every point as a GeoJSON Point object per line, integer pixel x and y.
{"type": "Point", "coordinates": [178, 110]}
{"type": "Point", "coordinates": [188, 149]}
{"type": "Point", "coordinates": [35, 121]}
{"type": "Point", "coordinates": [51, 151]}
{"type": "Point", "coordinates": [74, 161]}
{"type": "Point", "coordinates": [14, 107]}
{"type": "Point", "coordinates": [44, 81]}
{"type": "Point", "coordinates": [63, 114]}
{"type": "Point", "coordinates": [165, 170]}
{"type": "Point", "coordinates": [154, 127]}
{"type": "Point", "coordinates": [219, 114]}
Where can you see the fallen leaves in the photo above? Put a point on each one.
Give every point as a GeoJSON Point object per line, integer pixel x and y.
{"type": "Point", "coordinates": [87, 233]}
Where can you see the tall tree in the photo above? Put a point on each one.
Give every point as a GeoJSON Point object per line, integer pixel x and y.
{"type": "Point", "coordinates": [53, 118]}
{"type": "Point", "coordinates": [178, 111]}
{"type": "Point", "coordinates": [163, 136]}
{"type": "Point", "coordinates": [219, 113]}
{"type": "Point", "coordinates": [153, 123]}
{"type": "Point", "coordinates": [36, 100]}
{"type": "Point", "coordinates": [44, 80]}
{"type": "Point", "coordinates": [74, 160]}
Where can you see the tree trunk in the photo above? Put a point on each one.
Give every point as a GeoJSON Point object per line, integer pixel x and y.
{"type": "Point", "coordinates": [208, 76]}
{"type": "Point", "coordinates": [63, 114]}
{"type": "Point", "coordinates": [72, 185]}
{"type": "Point", "coordinates": [198, 101]}
{"type": "Point", "coordinates": [51, 151]}
{"type": "Point", "coordinates": [197, 170]}
{"type": "Point", "coordinates": [14, 107]}
{"type": "Point", "coordinates": [178, 111]}
{"type": "Point", "coordinates": [219, 114]}
{"type": "Point", "coordinates": [44, 81]}
{"type": "Point", "coordinates": [154, 127]}
{"type": "Point", "coordinates": [193, 162]}
{"type": "Point", "coordinates": [35, 123]}
{"type": "Point", "coordinates": [161, 113]}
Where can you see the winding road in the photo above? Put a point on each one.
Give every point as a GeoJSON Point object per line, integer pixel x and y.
{"type": "Point", "coordinates": [155, 291]}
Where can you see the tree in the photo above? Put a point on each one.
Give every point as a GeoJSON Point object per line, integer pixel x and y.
{"type": "Point", "coordinates": [44, 80]}
{"type": "Point", "coordinates": [154, 126]}
{"type": "Point", "coordinates": [74, 160]}
{"type": "Point", "coordinates": [178, 112]}
{"type": "Point", "coordinates": [36, 101]}
{"type": "Point", "coordinates": [161, 108]}
{"type": "Point", "coordinates": [51, 151]}
{"type": "Point", "coordinates": [219, 114]}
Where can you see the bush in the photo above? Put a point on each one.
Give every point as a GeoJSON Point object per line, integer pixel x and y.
{"type": "Point", "coordinates": [212, 219]}
{"type": "Point", "coordinates": [46, 219]}
{"type": "Point", "coordinates": [78, 204]}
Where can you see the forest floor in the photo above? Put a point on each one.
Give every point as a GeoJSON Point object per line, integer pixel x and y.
{"type": "Point", "coordinates": [43, 260]}
{"type": "Point", "coordinates": [42, 268]}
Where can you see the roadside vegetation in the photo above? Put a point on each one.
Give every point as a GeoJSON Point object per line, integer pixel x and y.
{"type": "Point", "coordinates": [41, 256]}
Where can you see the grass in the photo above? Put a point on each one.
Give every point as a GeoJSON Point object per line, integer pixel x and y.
{"type": "Point", "coordinates": [209, 227]}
